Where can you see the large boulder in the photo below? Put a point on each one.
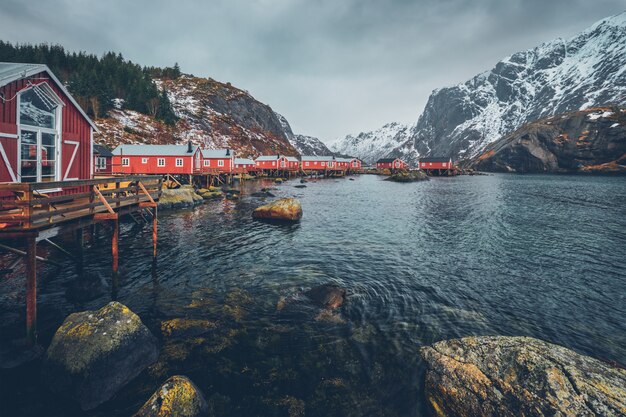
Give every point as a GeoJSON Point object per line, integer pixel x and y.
{"type": "Point", "coordinates": [184, 196]}
{"type": "Point", "coordinates": [286, 209]}
{"type": "Point", "coordinates": [519, 376]}
{"type": "Point", "coordinates": [177, 397]}
{"type": "Point", "coordinates": [95, 353]}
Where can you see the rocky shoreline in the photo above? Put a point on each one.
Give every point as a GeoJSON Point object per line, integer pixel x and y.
{"type": "Point", "coordinates": [95, 354]}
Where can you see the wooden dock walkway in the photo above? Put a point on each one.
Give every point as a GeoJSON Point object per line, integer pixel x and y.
{"type": "Point", "coordinates": [31, 212]}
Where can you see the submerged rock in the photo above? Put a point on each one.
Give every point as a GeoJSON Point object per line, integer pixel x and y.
{"type": "Point", "coordinates": [95, 353]}
{"type": "Point", "coordinates": [184, 196]}
{"type": "Point", "coordinates": [177, 397]}
{"type": "Point", "coordinates": [262, 194]}
{"type": "Point", "coordinates": [408, 176]}
{"type": "Point", "coordinates": [300, 186]}
{"type": "Point", "coordinates": [329, 296]}
{"type": "Point", "coordinates": [515, 376]}
{"type": "Point", "coordinates": [286, 209]}
{"type": "Point", "coordinates": [181, 327]}
{"type": "Point", "coordinates": [209, 194]}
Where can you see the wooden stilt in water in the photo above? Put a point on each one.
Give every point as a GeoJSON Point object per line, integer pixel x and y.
{"type": "Point", "coordinates": [114, 247]}
{"type": "Point", "coordinates": [31, 290]}
{"type": "Point", "coordinates": [154, 234]}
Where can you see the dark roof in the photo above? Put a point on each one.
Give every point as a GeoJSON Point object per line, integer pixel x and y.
{"type": "Point", "coordinates": [102, 150]}
{"type": "Point", "coordinates": [435, 159]}
{"type": "Point", "coordinates": [385, 160]}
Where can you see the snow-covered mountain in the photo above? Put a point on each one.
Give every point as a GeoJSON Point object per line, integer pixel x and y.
{"type": "Point", "coordinates": [305, 145]}
{"type": "Point", "coordinates": [211, 114]}
{"type": "Point", "coordinates": [588, 70]}
{"type": "Point", "coordinates": [370, 146]}
{"type": "Point", "coordinates": [585, 71]}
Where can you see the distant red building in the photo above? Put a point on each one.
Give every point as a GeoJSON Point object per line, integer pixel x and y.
{"type": "Point", "coordinates": [435, 163]}
{"type": "Point", "coordinates": [318, 163]}
{"type": "Point", "coordinates": [438, 166]}
{"type": "Point", "coordinates": [218, 160]}
{"type": "Point", "coordinates": [277, 162]}
{"type": "Point", "coordinates": [44, 134]}
{"type": "Point", "coordinates": [391, 164]}
{"type": "Point", "coordinates": [102, 160]}
{"type": "Point", "coordinates": [355, 163]}
{"type": "Point", "coordinates": [157, 159]}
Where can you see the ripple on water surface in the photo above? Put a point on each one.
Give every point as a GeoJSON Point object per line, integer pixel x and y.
{"type": "Point", "coordinates": [542, 256]}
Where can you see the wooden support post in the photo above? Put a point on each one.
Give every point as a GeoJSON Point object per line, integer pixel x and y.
{"type": "Point", "coordinates": [31, 290]}
{"type": "Point", "coordinates": [154, 233]}
{"type": "Point", "coordinates": [115, 248]}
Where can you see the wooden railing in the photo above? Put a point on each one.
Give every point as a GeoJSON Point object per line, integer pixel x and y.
{"type": "Point", "coordinates": [41, 204]}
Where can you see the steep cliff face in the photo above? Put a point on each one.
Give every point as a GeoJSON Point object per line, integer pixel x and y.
{"type": "Point", "coordinates": [370, 146]}
{"type": "Point", "coordinates": [212, 114]}
{"type": "Point", "coordinates": [559, 76]}
{"type": "Point", "coordinates": [588, 141]}
{"type": "Point", "coordinates": [304, 145]}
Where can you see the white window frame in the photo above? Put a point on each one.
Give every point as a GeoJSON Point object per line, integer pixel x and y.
{"type": "Point", "coordinates": [144, 160]}
{"type": "Point", "coordinates": [125, 162]}
{"type": "Point", "coordinates": [273, 163]}
{"type": "Point", "coordinates": [160, 162]}
{"type": "Point", "coordinates": [101, 163]}
{"type": "Point", "coordinates": [180, 162]}
{"type": "Point", "coordinates": [207, 162]}
{"type": "Point", "coordinates": [220, 162]}
{"type": "Point", "coordinates": [306, 164]}
{"type": "Point", "coordinates": [323, 163]}
{"type": "Point", "coordinates": [56, 131]}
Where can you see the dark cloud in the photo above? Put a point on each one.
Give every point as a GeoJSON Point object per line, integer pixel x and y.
{"type": "Point", "coordinates": [331, 67]}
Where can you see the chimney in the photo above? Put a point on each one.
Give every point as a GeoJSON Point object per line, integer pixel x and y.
{"type": "Point", "coordinates": [189, 147]}
{"type": "Point", "coordinates": [227, 152]}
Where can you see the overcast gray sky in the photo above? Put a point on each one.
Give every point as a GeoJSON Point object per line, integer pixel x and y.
{"type": "Point", "coordinates": [331, 67]}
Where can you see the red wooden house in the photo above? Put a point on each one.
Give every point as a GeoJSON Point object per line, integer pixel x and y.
{"type": "Point", "coordinates": [102, 160]}
{"type": "Point", "coordinates": [318, 163]}
{"type": "Point", "coordinates": [157, 159]}
{"type": "Point", "coordinates": [435, 163]}
{"type": "Point", "coordinates": [218, 160]}
{"type": "Point", "coordinates": [245, 165]}
{"type": "Point", "coordinates": [355, 163]}
{"type": "Point", "coordinates": [277, 162]}
{"type": "Point", "coordinates": [44, 134]}
{"type": "Point", "coordinates": [391, 164]}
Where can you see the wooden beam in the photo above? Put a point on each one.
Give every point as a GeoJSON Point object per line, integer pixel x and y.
{"type": "Point", "coordinates": [103, 200]}
{"type": "Point", "coordinates": [31, 291]}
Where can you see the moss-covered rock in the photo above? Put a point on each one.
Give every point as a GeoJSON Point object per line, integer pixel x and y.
{"type": "Point", "coordinates": [177, 397]}
{"type": "Point", "coordinates": [95, 353]}
{"type": "Point", "coordinates": [519, 376]}
{"type": "Point", "coordinates": [286, 209]}
{"type": "Point", "coordinates": [184, 196]}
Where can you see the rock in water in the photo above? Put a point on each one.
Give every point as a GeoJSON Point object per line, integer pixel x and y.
{"type": "Point", "coordinates": [177, 397]}
{"type": "Point", "coordinates": [329, 296]}
{"type": "Point", "coordinates": [95, 353]}
{"type": "Point", "coordinates": [408, 176]}
{"type": "Point", "coordinates": [519, 376]}
{"type": "Point", "coordinates": [286, 209]}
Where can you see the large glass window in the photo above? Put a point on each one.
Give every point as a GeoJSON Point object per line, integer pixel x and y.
{"type": "Point", "coordinates": [39, 140]}
{"type": "Point", "coordinates": [37, 108]}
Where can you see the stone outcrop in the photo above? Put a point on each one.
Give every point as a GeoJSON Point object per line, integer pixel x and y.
{"type": "Point", "coordinates": [590, 141]}
{"type": "Point", "coordinates": [519, 376]}
{"type": "Point", "coordinates": [184, 196]}
{"type": "Point", "coordinates": [408, 176]}
{"type": "Point", "coordinates": [177, 397]}
{"type": "Point", "coordinates": [286, 209]}
{"type": "Point", "coordinates": [95, 353]}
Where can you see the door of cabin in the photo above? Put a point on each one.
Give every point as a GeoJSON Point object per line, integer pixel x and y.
{"type": "Point", "coordinates": [38, 155]}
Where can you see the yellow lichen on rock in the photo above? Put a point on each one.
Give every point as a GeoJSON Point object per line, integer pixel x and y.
{"type": "Point", "coordinates": [177, 397]}
{"type": "Point", "coordinates": [286, 209]}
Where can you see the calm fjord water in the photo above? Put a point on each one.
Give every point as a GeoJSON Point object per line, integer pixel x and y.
{"type": "Point", "coordinates": [543, 256]}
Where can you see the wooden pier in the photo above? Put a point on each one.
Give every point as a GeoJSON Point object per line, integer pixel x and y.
{"type": "Point", "coordinates": [31, 212]}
